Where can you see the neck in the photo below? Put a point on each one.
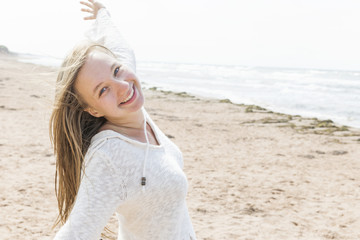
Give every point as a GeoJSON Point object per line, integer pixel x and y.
{"type": "Point", "coordinates": [133, 120]}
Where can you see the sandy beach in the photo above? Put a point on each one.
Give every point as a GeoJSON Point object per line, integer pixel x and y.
{"type": "Point", "coordinates": [252, 174]}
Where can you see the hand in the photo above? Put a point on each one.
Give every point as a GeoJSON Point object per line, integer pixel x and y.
{"type": "Point", "coordinates": [92, 7]}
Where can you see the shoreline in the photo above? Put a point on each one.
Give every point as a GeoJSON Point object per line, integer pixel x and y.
{"type": "Point", "coordinates": [252, 173]}
{"type": "Point", "coordinates": [318, 122]}
{"type": "Point", "coordinates": [297, 122]}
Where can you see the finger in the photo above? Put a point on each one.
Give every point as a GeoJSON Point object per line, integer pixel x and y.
{"type": "Point", "coordinates": [89, 18]}
{"type": "Point", "coordinates": [92, 1]}
{"type": "Point", "coordinates": [87, 10]}
{"type": "Point", "coordinates": [87, 4]}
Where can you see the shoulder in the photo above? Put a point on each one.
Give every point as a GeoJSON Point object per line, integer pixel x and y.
{"type": "Point", "coordinates": [103, 143]}
{"type": "Point", "coordinates": [109, 142]}
{"type": "Point", "coordinates": [111, 149]}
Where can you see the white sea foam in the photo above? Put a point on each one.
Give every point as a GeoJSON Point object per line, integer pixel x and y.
{"type": "Point", "coordinates": [325, 94]}
{"type": "Point", "coordinates": [40, 59]}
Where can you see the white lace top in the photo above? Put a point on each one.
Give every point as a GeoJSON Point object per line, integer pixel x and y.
{"type": "Point", "coordinates": [113, 168]}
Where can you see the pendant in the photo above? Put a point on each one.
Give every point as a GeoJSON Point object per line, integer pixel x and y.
{"type": "Point", "coordinates": [143, 181]}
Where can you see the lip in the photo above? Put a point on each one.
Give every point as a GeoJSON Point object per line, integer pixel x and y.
{"type": "Point", "coordinates": [131, 99]}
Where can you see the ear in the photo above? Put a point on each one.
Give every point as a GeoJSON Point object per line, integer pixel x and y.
{"type": "Point", "coordinates": [93, 112]}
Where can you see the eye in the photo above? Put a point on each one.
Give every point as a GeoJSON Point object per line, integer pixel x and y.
{"type": "Point", "coordinates": [117, 69]}
{"type": "Point", "coordinates": [102, 91]}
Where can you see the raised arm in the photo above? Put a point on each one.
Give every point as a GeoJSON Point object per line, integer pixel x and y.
{"type": "Point", "coordinates": [105, 32]}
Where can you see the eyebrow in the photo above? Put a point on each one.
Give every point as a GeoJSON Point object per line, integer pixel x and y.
{"type": "Point", "coordinates": [111, 70]}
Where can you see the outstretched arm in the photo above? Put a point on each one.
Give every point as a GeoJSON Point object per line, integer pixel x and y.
{"type": "Point", "coordinates": [101, 191]}
{"type": "Point", "coordinates": [104, 32]}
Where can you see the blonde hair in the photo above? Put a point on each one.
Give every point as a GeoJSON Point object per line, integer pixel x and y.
{"type": "Point", "coordinates": [71, 128]}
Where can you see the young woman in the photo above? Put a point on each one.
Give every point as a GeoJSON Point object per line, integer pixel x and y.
{"type": "Point", "coordinates": [110, 155]}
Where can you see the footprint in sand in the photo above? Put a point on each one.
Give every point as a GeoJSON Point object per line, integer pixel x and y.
{"type": "Point", "coordinates": [5, 108]}
{"type": "Point", "coordinates": [336, 153]}
{"type": "Point", "coordinates": [308, 156]}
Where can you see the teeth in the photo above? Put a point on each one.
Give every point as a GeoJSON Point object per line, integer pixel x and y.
{"type": "Point", "coordinates": [130, 96]}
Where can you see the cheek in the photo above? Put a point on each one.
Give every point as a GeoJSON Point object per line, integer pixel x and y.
{"type": "Point", "coordinates": [111, 100]}
{"type": "Point", "coordinates": [141, 93]}
{"type": "Point", "coordinates": [141, 98]}
{"type": "Point", "coordinates": [100, 104]}
{"type": "Point", "coordinates": [105, 101]}
{"type": "Point", "coordinates": [137, 84]}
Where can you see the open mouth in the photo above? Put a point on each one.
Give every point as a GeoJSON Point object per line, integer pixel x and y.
{"type": "Point", "coordinates": [131, 95]}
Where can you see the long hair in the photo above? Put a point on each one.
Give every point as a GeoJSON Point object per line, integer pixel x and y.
{"type": "Point", "coordinates": [71, 129]}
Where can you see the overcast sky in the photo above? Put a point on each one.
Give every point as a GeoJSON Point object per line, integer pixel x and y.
{"type": "Point", "coordinates": [275, 33]}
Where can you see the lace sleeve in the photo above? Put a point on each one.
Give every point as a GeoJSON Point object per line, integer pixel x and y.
{"type": "Point", "coordinates": [105, 32]}
{"type": "Point", "coordinates": [100, 193]}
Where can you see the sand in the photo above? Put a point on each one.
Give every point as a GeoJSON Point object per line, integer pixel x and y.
{"type": "Point", "coordinates": [253, 174]}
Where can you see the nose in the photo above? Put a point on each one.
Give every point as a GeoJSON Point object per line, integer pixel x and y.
{"type": "Point", "coordinates": [122, 88]}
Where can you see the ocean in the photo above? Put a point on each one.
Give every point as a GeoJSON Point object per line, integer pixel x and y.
{"type": "Point", "coordinates": [325, 94]}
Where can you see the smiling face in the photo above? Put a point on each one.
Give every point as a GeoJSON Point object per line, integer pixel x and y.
{"type": "Point", "coordinates": [109, 89]}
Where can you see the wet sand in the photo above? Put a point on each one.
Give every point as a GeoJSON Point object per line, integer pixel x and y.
{"type": "Point", "coordinates": [253, 174]}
